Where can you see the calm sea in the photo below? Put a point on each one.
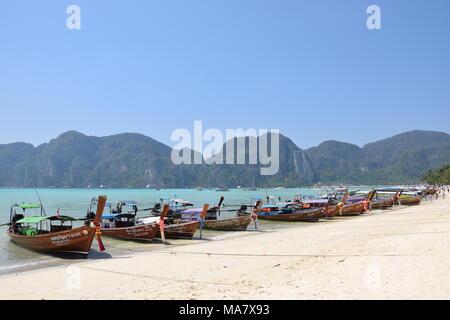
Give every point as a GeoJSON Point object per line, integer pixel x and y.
{"type": "Point", "coordinates": [75, 203]}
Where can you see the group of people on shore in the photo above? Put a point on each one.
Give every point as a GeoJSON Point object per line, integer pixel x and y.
{"type": "Point", "coordinates": [441, 191]}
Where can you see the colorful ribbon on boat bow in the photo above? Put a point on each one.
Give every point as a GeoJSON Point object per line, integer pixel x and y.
{"type": "Point", "coordinates": [98, 232]}
{"type": "Point", "coordinates": [160, 223]}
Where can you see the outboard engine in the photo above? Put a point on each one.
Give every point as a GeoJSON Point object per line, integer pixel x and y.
{"type": "Point", "coordinates": [90, 216]}
{"type": "Point", "coordinates": [14, 225]}
{"type": "Point", "coordinates": [157, 208]}
{"type": "Point", "coordinates": [16, 217]}
{"type": "Point", "coordinates": [243, 209]}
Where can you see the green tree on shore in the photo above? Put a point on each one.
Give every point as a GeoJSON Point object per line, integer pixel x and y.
{"type": "Point", "coordinates": [440, 175]}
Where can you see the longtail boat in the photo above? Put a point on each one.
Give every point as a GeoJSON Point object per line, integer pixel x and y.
{"type": "Point", "coordinates": [288, 212]}
{"type": "Point", "coordinates": [413, 200]}
{"type": "Point", "coordinates": [242, 212]}
{"type": "Point", "coordinates": [128, 227]}
{"type": "Point", "coordinates": [391, 192]}
{"type": "Point", "coordinates": [350, 209]}
{"type": "Point", "coordinates": [183, 229]}
{"type": "Point", "coordinates": [212, 221]}
{"type": "Point", "coordinates": [386, 202]}
{"type": "Point", "coordinates": [230, 224]}
{"type": "Point", "coordinates": [430, 191]}
{"type": "Point", "coordinates": [52, 233]}
{"type": "Point", "coordinates": [176, 206]}
{"type": "Point", "coordinates": [318, 203]}
{"type": "Point", "coordinates": [405, 198]}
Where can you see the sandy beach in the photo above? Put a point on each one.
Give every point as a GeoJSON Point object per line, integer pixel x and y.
{"type": "Point", "coordinates": [394, 254]}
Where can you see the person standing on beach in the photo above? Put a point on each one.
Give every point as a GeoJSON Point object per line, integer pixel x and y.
{"type": "Point", "coordinates": [365, 206]}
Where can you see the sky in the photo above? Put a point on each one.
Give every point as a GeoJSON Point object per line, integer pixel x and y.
{"type": "Point", "coordinates": [311, 69]}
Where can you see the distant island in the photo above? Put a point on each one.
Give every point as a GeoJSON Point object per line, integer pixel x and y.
{"type": "Point", "coordinates": [131, 160]}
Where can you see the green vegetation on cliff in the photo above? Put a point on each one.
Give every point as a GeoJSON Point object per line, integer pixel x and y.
{"type": "Point", "coordinates": [134, 160]}
{"type": "Point", "coordinates": [439, 176]}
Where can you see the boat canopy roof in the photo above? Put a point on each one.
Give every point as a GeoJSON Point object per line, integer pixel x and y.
{"type": "Point", "coordinates": [355, 198]}
{"type": "Point", "coordinates": [32, 219]}
{"type": "Point", "coordinates": [274, 205]}
{"type": "Point", "coordinates": [283, 204]}
{"type": "Point", "coordinates": [392, 193]}
{"type": "Point", "coordinates": [390, 189]}
{"type": "Point", "coordinates": [109, 216]}
{"type": "Point", "coordinates": [28, 206]}
{"type": "Point", "coordinates": [175, 205]}
{"type": "Point", "coordinates": [42, 218]}
{"type": "Point", "coordinates": [315, 201]}
{"type": "Point", "coordinates": [193, 210]}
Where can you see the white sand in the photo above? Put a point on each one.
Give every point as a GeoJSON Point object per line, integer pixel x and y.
{"type": "Point", "coordinates": [393, 254]}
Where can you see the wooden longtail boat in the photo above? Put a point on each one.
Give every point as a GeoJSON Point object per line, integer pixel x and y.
{"type": "Point", "coordinates": [318, 203]}
{"type": "Point", "coordinates": [58, 238]}
{"type": "Point", "coordinates": [354, 209]}
{"type": "Point", "coordinates": [386, 203]}
{"type": "Point", "coordinates": [327, 213]}
{"type": "Point", "coordinates": [308, 215]}
{"type": "Point", "coordinates": [176, 206]}
{"type": "Point", "coordinates": [231, 224]}
{"type": "Point", "coordinates": [286, 212]}
{"type": "Point", "coordinates": [351, 209]}
{"type": "Point", "coordinates": [132, 228]}
{"type": "Point", "coordinates": [412, 200]}
{"type": "Point", "coordinates": [383, 204]}
{"type": "Point", "coordinates": [242, 212]}
{"type": "Point", "coordinates": [182, 229]}
{"type": "Point", "coordinates": [212, 222]}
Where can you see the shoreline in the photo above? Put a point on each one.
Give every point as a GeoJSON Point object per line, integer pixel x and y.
{"type": "Point", "coordinates": [386, 254]}
{"type": "Point", "coordinates": [47, 262]}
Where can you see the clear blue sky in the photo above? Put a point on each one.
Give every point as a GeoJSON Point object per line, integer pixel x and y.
{"type": "Point", "coordinates": [310, 68]}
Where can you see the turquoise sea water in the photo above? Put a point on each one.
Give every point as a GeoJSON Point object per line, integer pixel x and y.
{"type": "Point", "coordinates": [75, 203]}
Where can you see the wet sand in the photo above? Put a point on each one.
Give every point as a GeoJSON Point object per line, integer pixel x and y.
{"type": "Point", "coordinates": [393, 254]}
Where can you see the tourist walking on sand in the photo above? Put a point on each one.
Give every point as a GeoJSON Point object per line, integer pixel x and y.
{"type": "Point", "coordinates": [365, 206]}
